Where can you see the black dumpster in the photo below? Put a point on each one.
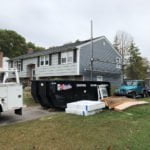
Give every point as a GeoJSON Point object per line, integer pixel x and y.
{"type": "Point", "coordinates": [56, 94]}
{"type": "Point", "coordinates": [34, 91]}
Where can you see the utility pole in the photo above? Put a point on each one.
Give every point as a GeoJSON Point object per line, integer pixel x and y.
{"type": "Point", "coordinates": [122, 59]}
{"type": "Point", "coordinates": [92, 59]}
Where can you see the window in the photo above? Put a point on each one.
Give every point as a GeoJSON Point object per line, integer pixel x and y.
{"type": "Point", "coordinates": [67, 57]}
{"type": "Point", "coordinates": [47, 60]}
{"type": "Point", "coordinates": [11, 64]}
{"type": "Point", "coordinates": [118, 63]}
{"type": "Point", "coordinates": [42, 58]}
{"type": "Point", "coordinates": [19, 66]}
{"type": "Point", "coordinates": [70, 57]}
{"type": "Point", "coordinates": [64, 58]}
{"type": "Point", "coordinates": [99, 78]}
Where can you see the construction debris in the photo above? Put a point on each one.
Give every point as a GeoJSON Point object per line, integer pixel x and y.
{"type": "Point", "coordinates": [126, 105]}
{"type": "Point", "coordinates": [85, 107]}
{"type": "Point", "coordinates": [121, 103]}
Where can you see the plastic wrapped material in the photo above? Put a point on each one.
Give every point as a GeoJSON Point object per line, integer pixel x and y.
{"type": "Point", "coordinates": [85, 107]}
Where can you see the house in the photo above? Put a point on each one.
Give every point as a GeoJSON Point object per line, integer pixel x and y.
{"type": "Point", "coordinates": [72, 62]}
{"type": "Point", "coordinates": [4, 62]}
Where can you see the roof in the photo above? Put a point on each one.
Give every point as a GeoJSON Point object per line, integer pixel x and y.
{"type": "Point", "coordinates": [63, 48]}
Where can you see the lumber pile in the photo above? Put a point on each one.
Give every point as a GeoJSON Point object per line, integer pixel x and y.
{"type": "Point", "coordinates": [121, 103]}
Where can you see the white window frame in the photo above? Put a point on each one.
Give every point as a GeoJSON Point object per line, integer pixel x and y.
{"type": "Point", "coordinates": [118, 62]}
{"type": "Point", "coordinates": [64, 56]}
{"type": "Point", "coordinates": [46, 59]}
{"type": "Point", "coordinates": [42, 59]}
{"type": "Point", "coordinates": [70, 56]}
{"type": "Point", "coordinates": [99, 78]}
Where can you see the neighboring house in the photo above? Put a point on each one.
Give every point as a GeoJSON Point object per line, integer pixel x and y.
{"type": "Point", "coordinates": [4, 62]}
{"type": "Point", "coordinates": [72, 62]}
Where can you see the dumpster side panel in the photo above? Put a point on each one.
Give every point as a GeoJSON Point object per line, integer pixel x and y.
{"type": "Point", "coordinates": [44, 100]}
{"type": "Point", "coordinates": [58, 93]}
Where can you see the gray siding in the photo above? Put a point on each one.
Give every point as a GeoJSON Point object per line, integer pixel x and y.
{"type": "Point", "coordinates": [25, 72]}
{"type": "Point", "coordinates": [48, 70]}
{"type": "Point", "coordinates": [103, 51]}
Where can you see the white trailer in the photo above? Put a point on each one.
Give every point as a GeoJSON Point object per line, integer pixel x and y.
{"type": "Point", "coordinates": [11, 93]}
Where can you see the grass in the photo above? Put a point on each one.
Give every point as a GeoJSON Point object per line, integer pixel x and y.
{"type": "Point", "coordinates": [27, 99]}
{"type": "Point", "coordinates": [128, 130]}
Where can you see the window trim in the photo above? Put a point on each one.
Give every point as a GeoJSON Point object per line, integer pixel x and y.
{"type": "Point", "coordinates": [118, 62]}
{"type": "Point", "coordinates": [46, 60]}
{"type": "Point", "coordinates": [100, 77]}
{"type": "Point", "coordinates": [42, 56]}
{"type": "Point", "coordinates": [64, 56]}
{"type": "Point", "coordinates": [69, 55]}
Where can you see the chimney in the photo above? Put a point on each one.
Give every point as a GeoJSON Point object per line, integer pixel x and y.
{"type": "Point", "coordinates": [1, 59]}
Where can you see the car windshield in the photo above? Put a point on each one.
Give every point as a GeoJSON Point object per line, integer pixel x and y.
{"type": "Point", "coordinates": [131, 83]}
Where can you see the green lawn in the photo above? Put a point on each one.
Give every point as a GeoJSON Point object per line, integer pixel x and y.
{"type": "Point", "coordinates": [27, 99]}
{"type": "Point", "coordinates": [128, 130]}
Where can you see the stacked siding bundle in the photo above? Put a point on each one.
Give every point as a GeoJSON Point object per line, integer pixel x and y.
{"type": "Point", "coordinates": [85, 107]}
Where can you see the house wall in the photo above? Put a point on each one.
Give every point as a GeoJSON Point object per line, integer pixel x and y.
{"type": "Point", "coordinates": [103, 51]}
{"type": "Point", "coordinates": [54, 69]}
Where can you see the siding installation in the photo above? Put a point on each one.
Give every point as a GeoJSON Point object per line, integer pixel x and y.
{"type": "Point", "coordinates": [72, 61]}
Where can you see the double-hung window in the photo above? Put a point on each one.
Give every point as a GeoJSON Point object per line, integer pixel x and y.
{"type": "Point", "coordinates": [42, 60]}
{"type": "Point", "coordinates": [70, 57]}
{"type": "Point", "coordinates": [64, 58]}
{"type": "Point", "coordinates": [47, 60]}
{"type": "Point", "coordinates": [118, 63]}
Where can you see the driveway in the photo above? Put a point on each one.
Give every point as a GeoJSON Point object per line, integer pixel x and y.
{"type": "Point", "coordinates": [29, 113]}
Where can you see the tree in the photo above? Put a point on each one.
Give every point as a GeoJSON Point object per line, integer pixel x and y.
{"type": "Point", "coordinates": [12, 44]}
{"type": "Point", "coordinates": [34, 47]}
{"type": "Point", "coordinates": [136, 69]}
{"type": "Point", "coordinates": [122, 42]}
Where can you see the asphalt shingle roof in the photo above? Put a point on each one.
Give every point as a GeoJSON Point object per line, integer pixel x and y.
{"type": "Point", "coordinates": [65, 47]}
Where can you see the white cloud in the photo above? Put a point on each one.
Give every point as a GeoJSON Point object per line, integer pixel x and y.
{"type": "Point", "coordinates": [54, 22]}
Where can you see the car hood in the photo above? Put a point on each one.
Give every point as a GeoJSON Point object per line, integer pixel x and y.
{"type": "Point", "coordinates": [125, 87]}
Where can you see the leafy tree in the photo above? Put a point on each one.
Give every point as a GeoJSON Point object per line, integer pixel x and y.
{"type": "Point", "coordinates": [136, 69]}
{"type": "Point", "coordinates": [34, 47]}
{"type": "Point", "coordinates": [12, 44]}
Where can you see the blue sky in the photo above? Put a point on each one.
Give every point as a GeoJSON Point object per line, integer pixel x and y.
{"type": "Point", "coordinates": [55, 22]}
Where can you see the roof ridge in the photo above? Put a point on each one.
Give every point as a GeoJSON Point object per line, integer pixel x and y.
{"type": "Point", "coordinates": [71, 45]}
